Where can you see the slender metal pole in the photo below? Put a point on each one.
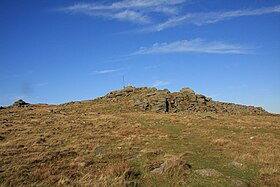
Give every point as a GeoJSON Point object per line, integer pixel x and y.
{"type": "Point", "coordinates": [123, 82]}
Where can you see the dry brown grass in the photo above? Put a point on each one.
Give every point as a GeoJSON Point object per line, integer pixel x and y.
{"type": "Point", "coordinates": [116, 170]}
{"type": "Point", "coordinates": [102, 144]}
{"type": "Point", "coordinates": [220, 142]}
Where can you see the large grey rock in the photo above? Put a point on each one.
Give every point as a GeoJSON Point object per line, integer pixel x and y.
{"type": "Point", "coordinates": [160, 169]}
{"type": "Point", "coordinates": [187, 91]}
{"type": "Point", "coordinates": [186, 101]}
{"type": "Point", "coordinates": [20, 104]}
{"type": "Point", "coordinates": [190, 94]}
{"type": "Point", "coordinates": [129, 88]}
{"type": "Point", "coordinates": [201, 98]}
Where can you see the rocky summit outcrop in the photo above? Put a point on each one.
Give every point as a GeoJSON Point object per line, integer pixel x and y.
{"type": "Point", "coordinates": [21, 104]}
{"type": "Point", "coordinates": [186, 101]}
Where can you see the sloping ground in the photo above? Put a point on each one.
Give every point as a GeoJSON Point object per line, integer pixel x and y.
{"type": "Point", "coordinates": [107, 142]}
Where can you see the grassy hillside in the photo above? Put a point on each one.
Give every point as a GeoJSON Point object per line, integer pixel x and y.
{"type": "Point", "coordinates": [100, 143]}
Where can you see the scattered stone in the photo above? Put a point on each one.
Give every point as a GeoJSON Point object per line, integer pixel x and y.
{"type": "Point", "coordinates": [159, 170]}
{"type": "Point", "coordinates": [235, 164]}
{"type": "Point", "coordinates": [208, 172]}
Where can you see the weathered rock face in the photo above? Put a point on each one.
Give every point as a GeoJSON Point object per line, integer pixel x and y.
{"type": "Point", "coordinates": [187, 101]}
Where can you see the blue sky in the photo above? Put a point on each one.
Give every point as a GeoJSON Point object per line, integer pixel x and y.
{"type": "Point", "coordinates": [64, 50]}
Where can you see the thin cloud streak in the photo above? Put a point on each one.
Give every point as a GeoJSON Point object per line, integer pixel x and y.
{"type": "Point", "coordinates": [137, 11]}
{"type": "Point", "coordinates": [126, 4]}
{"type": "Point", "coordinates": [131, 16]}
{"type": "Point", "coordinates": [141, 12]}
{"type": "Point", "coordinates": [108, 71]}
{"type": "Point", "coordinates": [200, 19]}
{"type": "Point", "coordinates": [191, 46]}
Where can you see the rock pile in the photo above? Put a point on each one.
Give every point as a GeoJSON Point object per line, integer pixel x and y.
{"type": "Point", "coordinates": [187, 101]}
{"type": "Point", "coordinates": [21, 104]}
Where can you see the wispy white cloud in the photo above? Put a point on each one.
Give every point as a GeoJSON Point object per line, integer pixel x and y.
{"type": "Point", "coordinates": [145, 3]}
{"type": "Point", "coordinates": [165, 6]}
{"type": "Point", "coordinates": [161, 83]}
{"type": "Point", "coordinates": [131, 16]}
{"type": "Point", "coordinates": [141, 12]}
{"type": "Point", "coordinates": [137, 11]}
{"type": "Point", "coordinates": [108, 71]}
{"type": "Point", "coordinates": [196, 45]}
{"type": "Point", "coordinates": [200, 19]}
